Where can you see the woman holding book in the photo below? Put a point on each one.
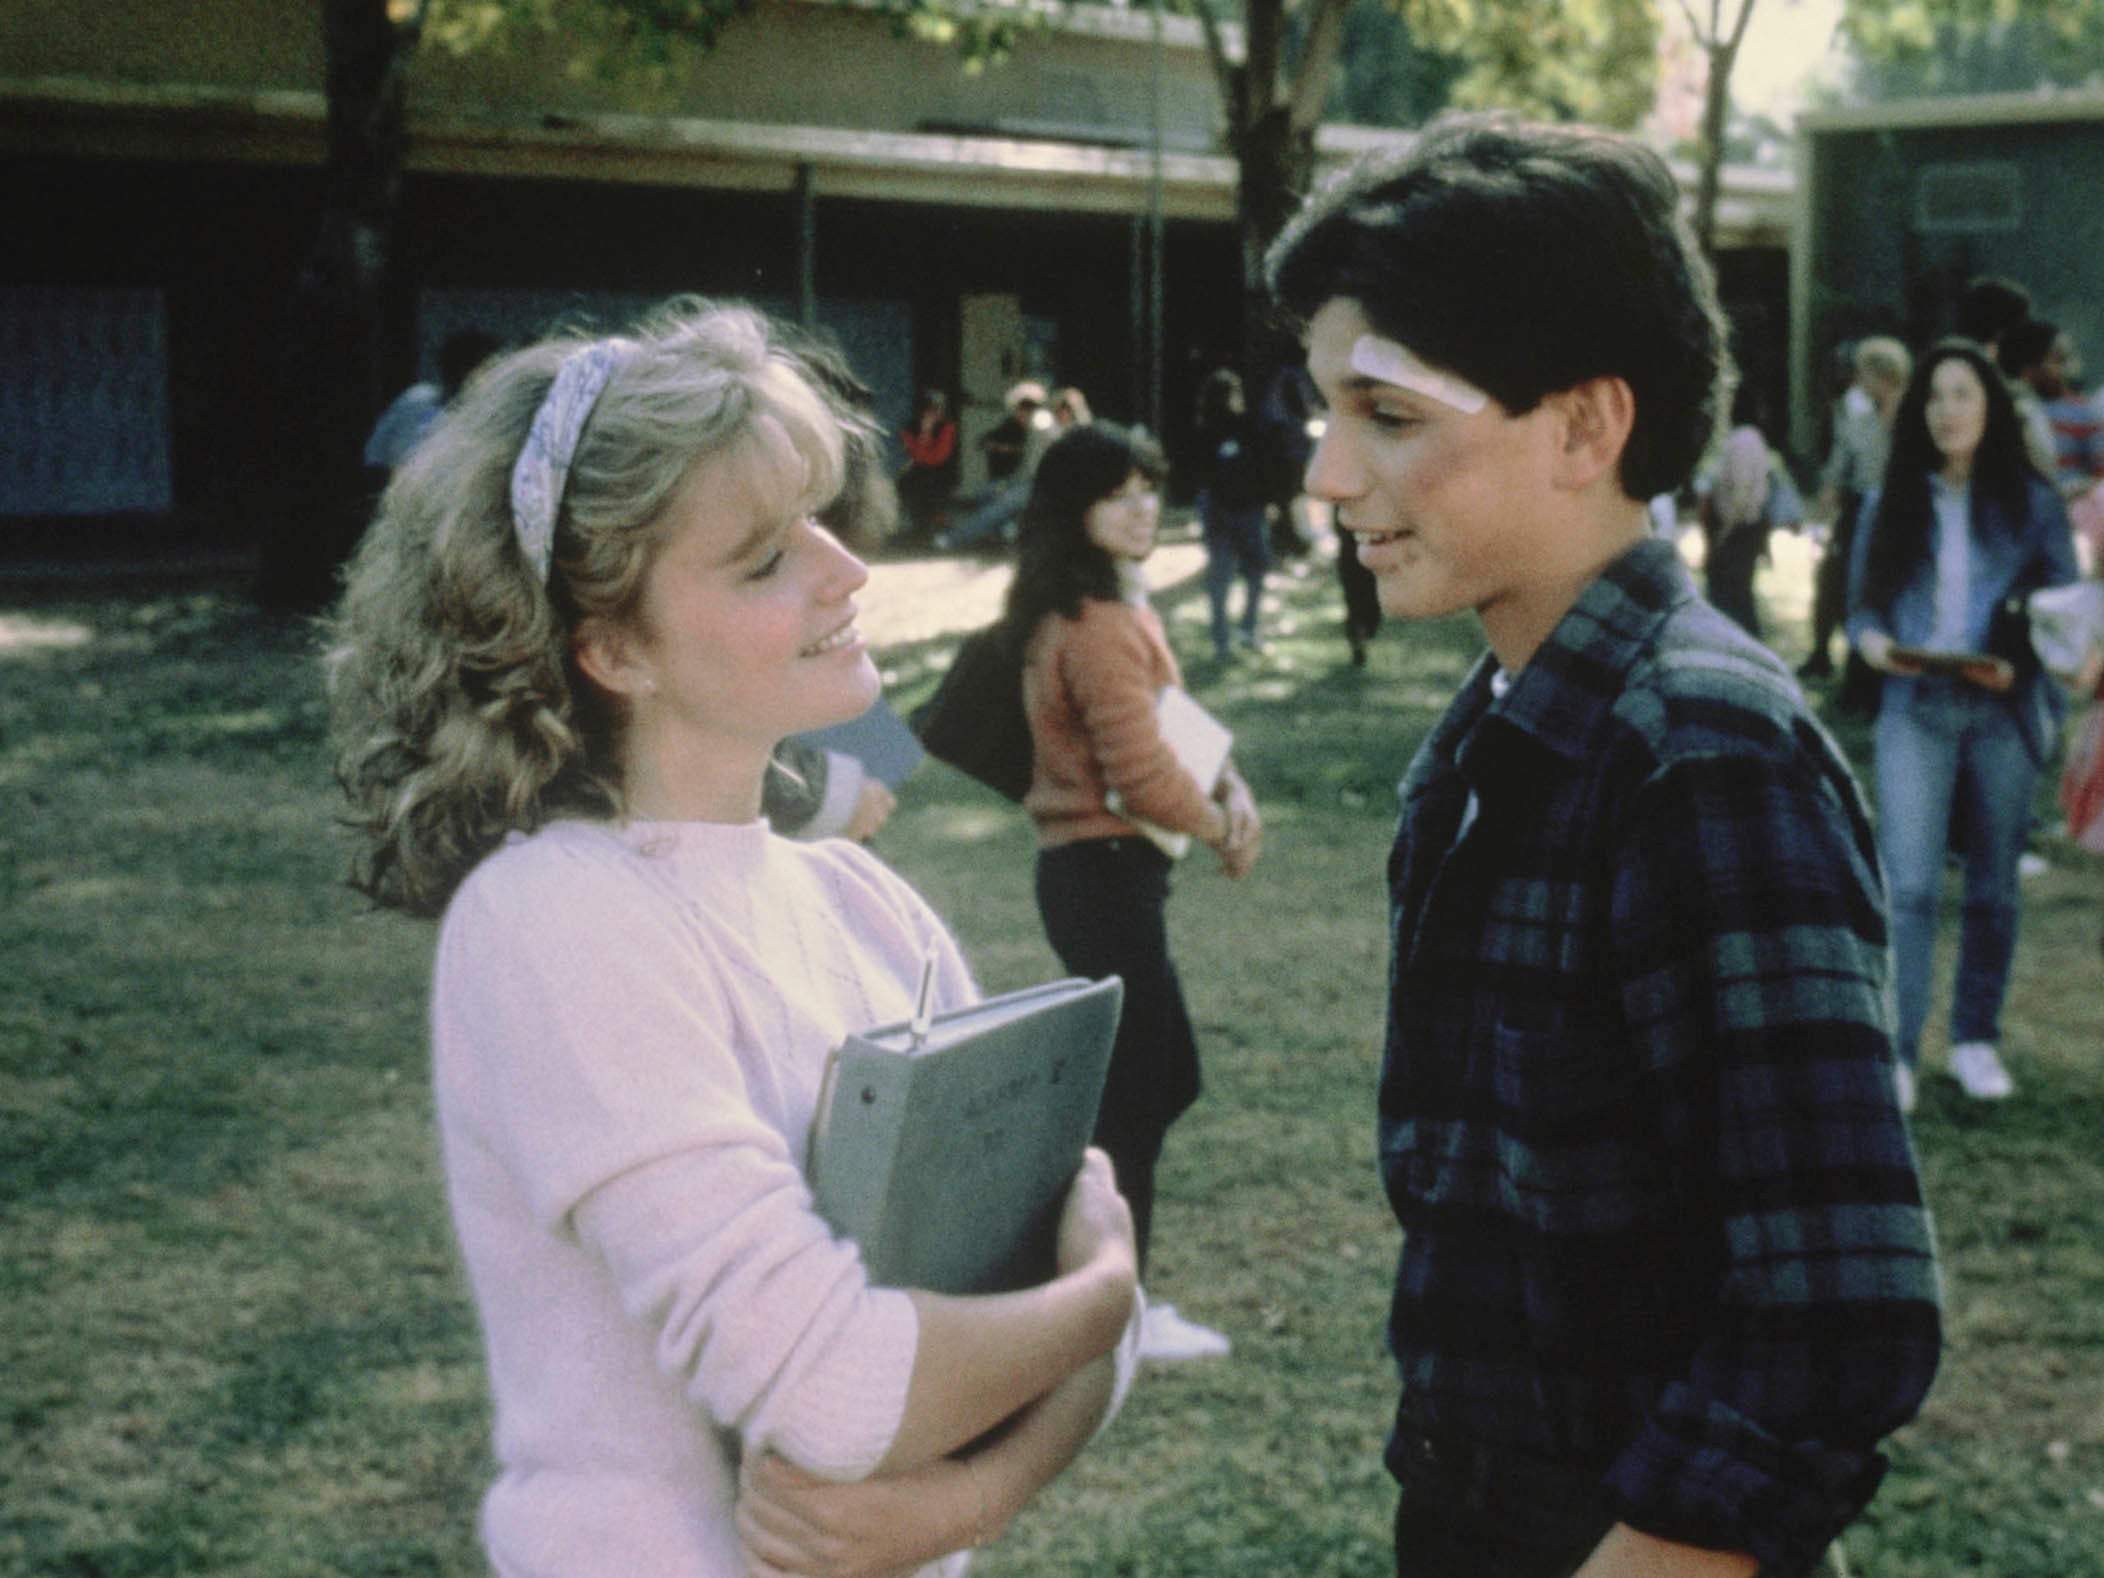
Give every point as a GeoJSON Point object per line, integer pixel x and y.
{"type": "Point", "coordinates": [1962, 529]}
{"type": "Point", "coordinates": [591, 605]}
{"type": "Point", "coordinates": [1095, 663]}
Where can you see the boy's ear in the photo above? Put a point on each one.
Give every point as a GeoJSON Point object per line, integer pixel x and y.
{"type": "Point", "coordinates": [606, 653]}
{"type": "Point", "coordinates": [1598, 416]}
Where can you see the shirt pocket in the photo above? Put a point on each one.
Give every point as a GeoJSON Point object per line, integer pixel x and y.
{"type": "Point", "coordinates": [1571, 1125]}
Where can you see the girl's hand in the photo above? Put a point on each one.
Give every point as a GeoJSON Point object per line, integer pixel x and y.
{"type": "Point", "coordinates": [1875, 648]}
{"type": "Point", "coordinates": [1243, 838]}
{"type": "Point", "coordinates": [873, 808]}
{"type": "Point", "coordinates": [1995, 674]}
{"type": "Point", "coordinates": [790, 1522]}
{"type": "Point", "coordinates": [2089, 678]}
{"type": "Point", "coordinates": [1095, 1220]}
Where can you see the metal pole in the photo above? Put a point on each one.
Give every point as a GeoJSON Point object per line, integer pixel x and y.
{"type": "Point", "coordinates": [1136, 277]}
{"type": "Point", "coordinates": [806, 246]}
{"type": "Point", "coordinates": [1155, 229]}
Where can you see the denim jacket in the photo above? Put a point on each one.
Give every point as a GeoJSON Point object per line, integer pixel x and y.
{"type": "Point", "coordinates": [2033, 552]}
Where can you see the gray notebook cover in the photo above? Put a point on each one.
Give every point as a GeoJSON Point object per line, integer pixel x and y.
{"type": "Point", "coordinates": [948, 1163]}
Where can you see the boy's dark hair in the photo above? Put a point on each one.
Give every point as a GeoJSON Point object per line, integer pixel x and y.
{"type": "Point", "coordinates": [2025, 345]}
{"type": "Point", "coordinates": [1056, 564]}
{"type": "Point", "coordinates": [1989, 308]}
{"type": "Point", "coordinates": [1526, 258]}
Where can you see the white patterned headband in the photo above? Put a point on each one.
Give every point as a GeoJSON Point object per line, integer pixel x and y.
{"type": "Point", "coordinates": [543, 466]}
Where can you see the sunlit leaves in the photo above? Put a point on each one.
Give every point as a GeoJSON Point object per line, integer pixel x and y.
{"type": "Point", "coordinates": [1899, 29]}
{"type": "Point", "coordinates": [1593, 60]}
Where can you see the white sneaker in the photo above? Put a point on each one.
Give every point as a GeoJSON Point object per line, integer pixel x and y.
{"type": "Point", "coordinates": [1978, 1069]}
{"type": "Point", "coordinates": [2032, 864]}
{"type": "Point", "coordinates": [1903, 1077]}
{"type": "Point", "coordinates": [1167, 1337]}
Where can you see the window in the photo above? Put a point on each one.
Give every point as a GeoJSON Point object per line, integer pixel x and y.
{"type": "Point", "coordinates": [1957, 199]}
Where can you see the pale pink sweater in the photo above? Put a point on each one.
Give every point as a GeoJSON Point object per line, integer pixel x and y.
{"type": "Point", "coordinates": [629, 1028]}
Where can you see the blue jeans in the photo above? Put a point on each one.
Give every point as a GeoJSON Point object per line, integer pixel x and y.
{"type": "Point", "coordinates": [1945, 748]}
{"type": "Point", "coordinates": [994, 515]}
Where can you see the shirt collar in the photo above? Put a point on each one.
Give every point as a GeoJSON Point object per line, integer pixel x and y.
{"type": "Point", "coordinates": [1564, 695]}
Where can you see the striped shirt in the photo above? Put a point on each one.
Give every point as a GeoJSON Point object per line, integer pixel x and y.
{"type": "Point", "coordinates": [1637, 1116]}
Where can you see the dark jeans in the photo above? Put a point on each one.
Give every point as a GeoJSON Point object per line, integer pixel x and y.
{"type": "Point", "coordinates": [1362, 597]}
{"type": "Point", "coordinates": [1728, 574]}
{"type": "Point", "coordinates": [1102, 904]}
{"type": "Point", "coordinates": [1830, 581]}
{"type": "Point", "coordinates": [1470, 1511]}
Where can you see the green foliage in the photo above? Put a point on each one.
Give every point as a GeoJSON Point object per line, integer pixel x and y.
{"type": "Point", "coordinates": [1384, 76]}
{"type": "Point", "coordinates": [644, 37]}
{"type": "Point", "coordinates": [1590, 60]}
{"type": "Point", "coordinates": [1404, 59]}
{"type": "Point", "coordinates": [1906, 48]}
{"type": "Point", "coordinates": [650, 39]}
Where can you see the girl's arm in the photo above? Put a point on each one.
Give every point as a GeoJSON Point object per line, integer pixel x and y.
{"type": "Point", "coordinates": [981, 1359]}
{"type": "Point", "coordinates": [974, 1354]}
{"type": "Point", "coordinates": [790, 1522]}
{"type": "Point", "coordinates": [1109, 664]}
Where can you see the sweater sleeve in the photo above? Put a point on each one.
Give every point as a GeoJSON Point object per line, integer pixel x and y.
{"type": "Point", "coordinates": [1114, 676]}
{"type": "Point", "coordinates": [599, 1064]}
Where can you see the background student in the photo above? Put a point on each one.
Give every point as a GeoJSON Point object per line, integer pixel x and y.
{"type": "Point", "coordinates": [1962, 522]}
{"type": "Point", "coordinates": [1095, 660]}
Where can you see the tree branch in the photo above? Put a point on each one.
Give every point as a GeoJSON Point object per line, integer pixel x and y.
{"type": "Point", "coordinates": [1216, 51]}
{"type": "Point", "coordinates": [1318, 57]}
{"type": "Point", "coordinates": [1738, 32]}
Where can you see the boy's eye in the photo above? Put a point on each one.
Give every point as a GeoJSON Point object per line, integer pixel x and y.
{"type": "Point", "coordinates": [1390, 417]}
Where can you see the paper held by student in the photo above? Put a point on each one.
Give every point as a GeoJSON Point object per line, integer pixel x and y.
{"type": "Point", "coordinates": [1201, 743]}
{"type": "Point", "coordinates": [1938, 660]}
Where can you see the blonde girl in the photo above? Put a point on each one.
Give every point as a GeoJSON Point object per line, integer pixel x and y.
{"type": "Point", "coordinates": [592, 604]}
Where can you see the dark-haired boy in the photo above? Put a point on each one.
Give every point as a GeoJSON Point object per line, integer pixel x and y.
{"type": "Point", "coordinates": [1666, 1276]}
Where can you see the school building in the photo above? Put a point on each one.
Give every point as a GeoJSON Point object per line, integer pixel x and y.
{"type": "Point", "coordinates": [162, 169]}
{"type": "Point", "coordinates": [1901, 204]}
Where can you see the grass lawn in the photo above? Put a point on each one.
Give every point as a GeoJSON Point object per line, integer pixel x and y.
{"type": "Point", "coordinates": [235, 1340]}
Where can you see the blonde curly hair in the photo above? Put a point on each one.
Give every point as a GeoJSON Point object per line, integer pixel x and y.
{"type": "Point", "coordinates": [458, 712]}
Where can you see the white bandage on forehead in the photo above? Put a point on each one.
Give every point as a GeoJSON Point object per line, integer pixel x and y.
{"type": "Point", "coordinates": [1395, 364]}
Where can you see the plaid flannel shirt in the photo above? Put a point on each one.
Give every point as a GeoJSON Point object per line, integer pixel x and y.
{"type": "Point", "coordinates": [1637, 1111]}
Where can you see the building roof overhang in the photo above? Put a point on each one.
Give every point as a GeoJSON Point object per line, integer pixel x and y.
{"type": "Point", "coordinates": [71, 117]}
{"type": "Point", "coordinates": [1960, 111]}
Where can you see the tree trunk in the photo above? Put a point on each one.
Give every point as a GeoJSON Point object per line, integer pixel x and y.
{"type": "Point", "coordinates": [1716, 107]}
{"type": "Point", "coordinates": [318, 498]}
{"type": "Point", "coordinates": [1723, 52]}
{"type": "Point", "coordinates": [1275, 161]}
